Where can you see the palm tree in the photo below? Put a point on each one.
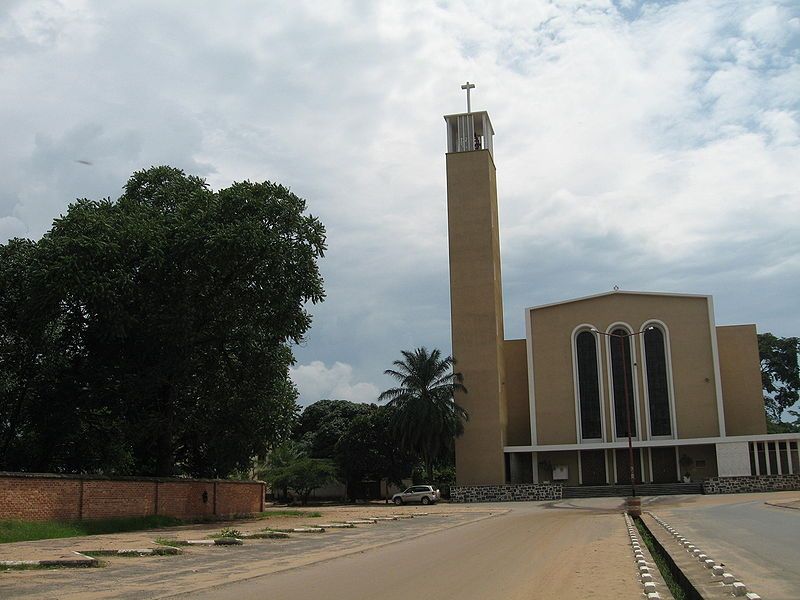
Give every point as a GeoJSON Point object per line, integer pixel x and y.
{"type": "Point", "coordinates": [427, 419]}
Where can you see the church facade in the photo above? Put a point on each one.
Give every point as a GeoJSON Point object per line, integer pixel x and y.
{"type": "Point", "coordinates": [559, 405]}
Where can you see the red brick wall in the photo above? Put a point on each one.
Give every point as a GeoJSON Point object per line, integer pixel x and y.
{"type": "Point", "coordinates": [41, 497]}
{"type": "Point", "coordinates": [108, 499]}
{"type": "Point", "coordinates": [238, 498]}
{"type": "Point", "coordinates": [185, 499]}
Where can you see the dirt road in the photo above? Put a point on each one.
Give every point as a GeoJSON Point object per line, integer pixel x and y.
{"type": "Point", "coordinates": [528, 553]}
{"type": "Point", "coordinates": [508, 551]}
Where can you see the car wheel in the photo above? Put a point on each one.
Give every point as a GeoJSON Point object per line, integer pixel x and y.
{"type": "Point", "coordinates": [398, 501]}
{"type": "Point", "coordinates": [426, 500]}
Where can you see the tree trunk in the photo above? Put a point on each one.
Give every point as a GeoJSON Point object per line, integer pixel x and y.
{"type": "Point", "coordinates": [429, 470]}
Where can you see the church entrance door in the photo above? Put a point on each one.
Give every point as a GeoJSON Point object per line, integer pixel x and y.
{"type": "Point", "coordinates": [593, 467]}
{"type": "Point", "coordinates": [665, 467]}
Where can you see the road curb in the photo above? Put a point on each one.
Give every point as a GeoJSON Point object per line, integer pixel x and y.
{"type": "Point", "coordinates": [265, 535]}
{"type": "Point", "coordinates": [299, 530]}
{"type": "Point", "coordinates": [778, 505]}
{"type": "Point", "coordinates": [156, 551]}
{"type": "Point", "coordinates": [81, 562]}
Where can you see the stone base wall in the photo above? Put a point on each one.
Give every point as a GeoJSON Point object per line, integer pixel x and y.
{"type": "Point", "coordinates": [751, 483]}
{"type": "Point", "coordinates": [516, 492]}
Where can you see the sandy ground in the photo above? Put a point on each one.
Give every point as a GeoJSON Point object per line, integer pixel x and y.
{"type": "Point", "coordinates": [65, 547]}
{"type": "Point", "coordinates": [510, 551]}
{"type": "Point", "coordinates": [567, 550]}
{"type": "Point", "coordinates": [532, 551]}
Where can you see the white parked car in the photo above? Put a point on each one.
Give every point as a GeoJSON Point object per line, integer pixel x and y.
{"type": "Point", "coordinates": [424, 494]}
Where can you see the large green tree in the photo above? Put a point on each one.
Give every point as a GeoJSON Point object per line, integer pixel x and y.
{"type": "Point", "coordinates": [367, 450]}
{"type": "Point", "coordinates": [157, 328]}
{"type": "Point", "coordinates": [780, 378]}
{"type": "Point", "coordinates": [426, 419]}
{"type": "Point", "coordinates": [323, 423]}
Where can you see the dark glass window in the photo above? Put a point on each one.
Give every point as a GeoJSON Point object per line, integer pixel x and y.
{"type": "Point", "coordinates": [621, 351]}
{"type": "Point", "coordinates": [657, 385]}
{"type": "Point", "coordinates": [588, 385]}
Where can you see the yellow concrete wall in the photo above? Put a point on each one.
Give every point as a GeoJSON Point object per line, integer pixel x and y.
{"type": "Point", "coordinates": [563, 457]}
{"type": "Point", "coordinates": [694, 380]}
{"type": "Point", "coordinates": [740, 373]}
{"type": "Point", "coordinates": [519, 414]}
{"type": "Point", "coordinates": [706, 452]}
{"type": "Point", "coordinates": [477, 315]}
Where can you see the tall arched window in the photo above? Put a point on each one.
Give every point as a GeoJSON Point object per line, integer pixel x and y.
{"type": "Point", "coordinates": [620, 346]}
{"type": "Point", "coordinates": [655, 353]}
{"type": "Point", "coordinates": [588, 385]}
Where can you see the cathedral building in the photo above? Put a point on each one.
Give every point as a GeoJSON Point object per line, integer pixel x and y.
{"type": "Point", "coordinates": [599, 379]}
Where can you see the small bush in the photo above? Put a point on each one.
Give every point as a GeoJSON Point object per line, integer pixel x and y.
{"type": "Point", "coordinates": [230, 532]}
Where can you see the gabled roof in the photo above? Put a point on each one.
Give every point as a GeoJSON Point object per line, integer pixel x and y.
{"type": "Point", "coordinates": [617, 292]}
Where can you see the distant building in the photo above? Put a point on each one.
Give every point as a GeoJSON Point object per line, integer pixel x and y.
{"type": "Point", "coordinates": [552, 406]}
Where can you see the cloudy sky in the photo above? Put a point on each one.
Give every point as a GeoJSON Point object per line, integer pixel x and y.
{"type": "Point", "coordinates": [649, 145]}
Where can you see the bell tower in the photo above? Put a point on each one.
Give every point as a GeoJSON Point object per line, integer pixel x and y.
{"type": "Point", "coordinates": [476, 296]}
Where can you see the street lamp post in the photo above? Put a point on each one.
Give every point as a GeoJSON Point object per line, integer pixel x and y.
{"type": "Point", "coordinates": [622, 339]}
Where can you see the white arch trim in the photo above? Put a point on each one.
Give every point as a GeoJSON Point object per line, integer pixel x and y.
{"type": "Point", "coordinates": [576, 385]}
{"type": "Point", "coordinates": [634, 381]}
{"type": "Point", "coordinates": [670, 385]}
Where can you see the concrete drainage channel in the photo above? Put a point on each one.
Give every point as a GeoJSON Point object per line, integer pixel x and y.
{"type": "Point", "coordinates": [696, 575]}
{"type": "Point", "coordinates": [655, 588]}
{"type": "Point", "coordinates": [170, 547]}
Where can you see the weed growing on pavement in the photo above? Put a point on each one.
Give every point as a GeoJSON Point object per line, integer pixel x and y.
{"type": "Point", "coordinates": [230, 532]}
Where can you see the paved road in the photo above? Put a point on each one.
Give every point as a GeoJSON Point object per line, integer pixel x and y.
{"type": "Point", "coordinates": [509, 551]}
{"type": "Point", "coordinates": [759, 543]}
{"type": "Point", "coordinates": [531, 552]}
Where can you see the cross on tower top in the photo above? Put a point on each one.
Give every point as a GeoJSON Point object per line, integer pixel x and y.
{"type": "Point", "coordinates": [468, 86]}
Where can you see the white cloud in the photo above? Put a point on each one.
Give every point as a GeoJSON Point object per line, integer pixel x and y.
{"type": "Point", "coordinates": [315, 381]}
{"type": "Point", "coordinates": [649, 145]}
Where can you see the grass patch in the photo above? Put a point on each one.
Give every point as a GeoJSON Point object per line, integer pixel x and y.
{"type": "Point", "coordinates": [29, 567]}
{"type": "Point", "coordinates": [102, 553]}
{"type": "Point", "coordinates": [48, 567]}
{"type": "Point", "coordinates": [21, 531]}
{"type": "Point", "coordinates": [168, 542]}
{"type": "Point", "coordinates": [313, 514]}
{"type": "Point", "coordinates": [662, 563]}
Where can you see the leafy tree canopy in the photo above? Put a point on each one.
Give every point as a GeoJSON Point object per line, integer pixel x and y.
{"type": "Point", "coordinates": [323, 423]}
{"type": "Point", "coordinates": [289, 467]}
{"type": "Point", "coordinates": [780, 378]}
{"type": "Point", "coordinates": [368, 449]}
{"type": "Point", "coordinates": [152, 334]}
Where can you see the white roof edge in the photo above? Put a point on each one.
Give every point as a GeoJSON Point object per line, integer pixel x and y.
{"type": "Point", "coordinates": [611, 293]}
{"type": "Point", "coordinates": [756, 437]}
